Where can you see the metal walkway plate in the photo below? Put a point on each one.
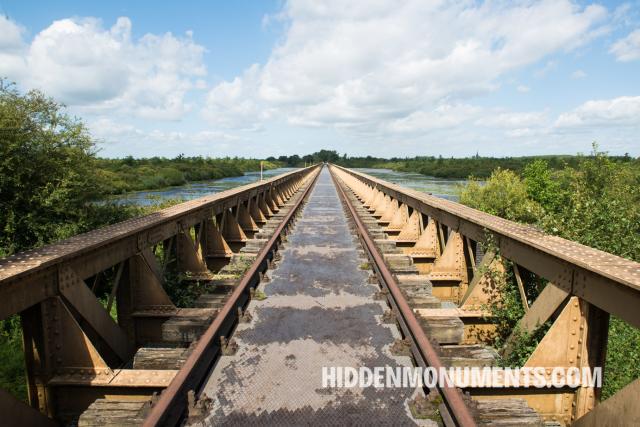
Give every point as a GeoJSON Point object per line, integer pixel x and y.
{"type": "Point", "coordinates": [319, 312]}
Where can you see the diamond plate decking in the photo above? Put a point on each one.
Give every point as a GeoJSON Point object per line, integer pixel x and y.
{"type": "Point", "coordinates": [319, 311]}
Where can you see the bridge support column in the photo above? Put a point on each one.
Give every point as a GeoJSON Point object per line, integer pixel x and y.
{"type": "Point", "coordinates": [593, 352]}
{"type": "Point", "coordinates": [411, 230]}
{"type": "Point", "coordinates": [426, 250]}
{"type": "Point", "coordinates": [390, 211]}
{"type": "Point", "coordinates": [142, 302]}
{"type": "Point", "coordinates": [270, 200]}
{"type": "Point", "coordinates": [256, 212]}
{"type": "Point", "coordinates": [232, 231]}
{"type": "Point", "coordinates": [399, 219]}
{"type": "Point", "coordinates": [38, 365]}
{"type": "Point", "coordinates": [217, 252]}
{"type": "Point", "coordinates": [247, 223]}
{"type": "Point", "coordinates": [264, 207]}
{"type": "Point", "coordinates": [450, 271]}
{"type": "Point", "coordinates": [577, 339]}
{"type": "Point", "coordinates": [277, 196]}
{"type": "Point", "coordinates": [189, 253]}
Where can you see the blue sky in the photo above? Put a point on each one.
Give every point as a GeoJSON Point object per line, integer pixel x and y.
{"type": "Point", "coordinates": [382, 77]}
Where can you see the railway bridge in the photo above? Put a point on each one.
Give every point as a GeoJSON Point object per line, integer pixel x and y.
{"type": "Point", "coordinates": [233, 309]}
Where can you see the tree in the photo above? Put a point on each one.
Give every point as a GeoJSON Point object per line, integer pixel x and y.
{"type": "Point", "coordinates": [47, 173]}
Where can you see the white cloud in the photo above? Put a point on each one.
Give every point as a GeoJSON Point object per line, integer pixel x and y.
{"type": "Point", "coordinates": [388, 66]}
{"type": "Point", "coordinates": [230, 104]}
{"type": "Point", "coordinates": [444, 116]}
{"type": "Point", "coordinates": [467, 117]}
{"type": "Point", "coordinates": [11, 48]}
{"type": "Point", "coordinates": [578, 74]}
{"type": "Point", "coordinates": [622, 111]}
{"type": "Point", "coordinates": [628, 48]}
{"type": "Point", "coordinates": [526, 132]}
{"type": "Point", "coordinates": [513, 120]}
{"type": "Point", "coordinates": [548, 67]}
{"type": "Point", "coordinates": [523, 88]}
{"type": "Point", "coordinates": [626, 15]}
{"type": "Point", "coordinates": [82, 64]}
{"type": "Point", "coordinates": [10, 35]}
{"type": "Point", "coordinates": [110, 131]}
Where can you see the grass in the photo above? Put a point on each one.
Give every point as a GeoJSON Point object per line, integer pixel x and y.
{"type": "Point", "coordinates": [260, 295]}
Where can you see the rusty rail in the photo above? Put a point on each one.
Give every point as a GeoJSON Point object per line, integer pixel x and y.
{"type": "Point", "coordinates": [171, 406]}
{"type": "Point", "coordinates": [75, 352]}
{"type": "Point", "coordinates": [607, 281]}
{"type": "Point", "coordinates": [582, 288]}
{"type": "Point", "coordinates": [29, 277]}
{"type": "Point", "coordinates": [452, 396]}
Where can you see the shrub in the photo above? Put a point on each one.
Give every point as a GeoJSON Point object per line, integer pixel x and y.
{"type": "Point", "coordinates": [504, 194]}
{"type": "Point", "coordinates": [594, 201]}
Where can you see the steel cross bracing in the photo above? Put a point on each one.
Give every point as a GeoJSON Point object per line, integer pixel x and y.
{"type": "Point", "coordinates": [445, 241]}
{"type": "Point", "coordinates": [429, 254]}
{"type": "Point", "coordinates": [320, 311]}
{"type": "Point", "coordinates": [83, 365]}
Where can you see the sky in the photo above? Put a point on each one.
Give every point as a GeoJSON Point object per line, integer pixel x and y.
{"type": "Point", "coordinates": [389, 78]}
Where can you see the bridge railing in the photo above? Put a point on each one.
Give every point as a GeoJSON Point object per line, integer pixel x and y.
{"type": "Point", "coordinates": [449, 243]}
{"type": "Point", "coordinates": [76, 349]}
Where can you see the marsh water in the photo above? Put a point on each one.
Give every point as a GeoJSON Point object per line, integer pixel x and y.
{"type": "Point", "coordinates": [195, 190]}
{"type": "Point", "coordinates": [441, 187]}
{"type": "Point", "coordinates": [445, 188]}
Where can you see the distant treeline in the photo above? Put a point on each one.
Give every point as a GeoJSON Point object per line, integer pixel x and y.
{"type": "Point", "coordinates": [130, 174]}
{"type": "Point", "coordinates": [480, 167]}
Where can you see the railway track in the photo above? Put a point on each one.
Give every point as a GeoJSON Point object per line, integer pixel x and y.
{"type": "Point", "coordinates": [406, 291]}
{"type": "Point", "coordinates": [174, 403]}
{"type": "Point", "coordinates": [319, 269]}
{"type": "Point", "coordinates": [196, 337]}
{"type": "Point", "coordinates": [266, 334]}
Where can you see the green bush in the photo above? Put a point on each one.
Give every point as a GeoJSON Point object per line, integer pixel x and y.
{"type": "Point", "coordinates": [129, 174]}
{"type": "Point", "coordinates": [12, 369]}
{"type": "Point", "coordinates": [52, 186]}
{"type": "Point", "coordinates": [596, 202]}
{"type": "Point", "coordinates": [504, 194]}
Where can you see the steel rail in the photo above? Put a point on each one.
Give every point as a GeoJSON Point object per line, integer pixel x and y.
{"type": "Point", "coordinates": [33, 260]}
{"type": "Point", "coordinates": [451, 396]}
{"type": "Point", "coordinates": [172, 404]}
{"type": "Point", "coordinates": [607, 281]}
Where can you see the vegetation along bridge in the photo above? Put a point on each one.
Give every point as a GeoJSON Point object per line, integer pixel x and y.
{"type": "Point", "coordinates": [229, 309]}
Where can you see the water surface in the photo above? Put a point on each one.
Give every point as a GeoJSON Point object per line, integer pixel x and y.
{"type": "Point", "coordinates": [441, 187]}
{"type": "Point", "coordinates": [195, 190]}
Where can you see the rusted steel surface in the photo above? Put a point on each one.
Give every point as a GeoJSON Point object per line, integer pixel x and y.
{"type": "Point", "coordinates": [30, 277]}
{"type": "Point", "coordinates": [31, 261]}
{"type": "Point", "coordinates": [610, 282]}
{"type": "Point", "coordinates": [619, 269]}
{"type": "Point", "coordinates": [452, 396]}
{"type": "Point", "coordinates": [172, 403]}
{"type": "Point", "coordinates": [17, 413]}
{"type": "Point", "coordinates": [320, 311]}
